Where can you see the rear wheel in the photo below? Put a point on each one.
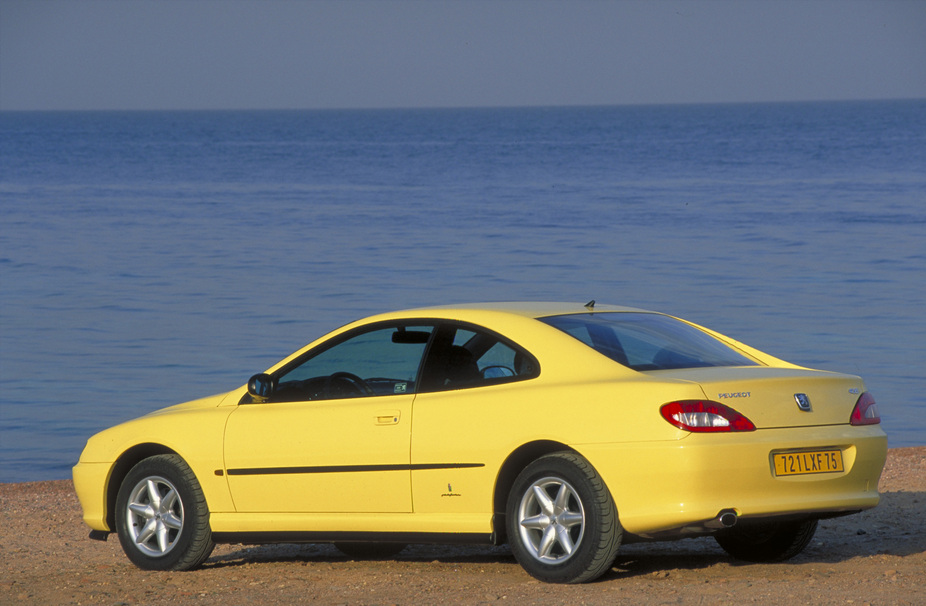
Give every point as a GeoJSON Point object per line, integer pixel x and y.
{"type": "Point", "coordinates": [161, 516]}
{"type": "Point", "coordinates": [767, 541]}
{"type": "Point", "coordinates": [562, 522]}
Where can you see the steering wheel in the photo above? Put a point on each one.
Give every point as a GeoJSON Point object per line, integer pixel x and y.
{"type": "Point", "coordinates": [359, 385]}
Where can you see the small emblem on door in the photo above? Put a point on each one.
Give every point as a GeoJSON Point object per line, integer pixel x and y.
{"type": "Point", "coordinates": [803, 402]}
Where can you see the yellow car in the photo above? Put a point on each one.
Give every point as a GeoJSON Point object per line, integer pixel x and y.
{"type": "Point", "coordinates": [560, 429]}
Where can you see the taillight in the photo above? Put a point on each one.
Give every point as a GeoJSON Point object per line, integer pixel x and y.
{"type": "Point", "coordinates": [704, 416]}
{"type": "Point", "coordinates": [865, 411]}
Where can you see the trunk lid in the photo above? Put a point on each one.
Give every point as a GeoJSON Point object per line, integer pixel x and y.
{"type": "Point", "coordinates": [769, 396]}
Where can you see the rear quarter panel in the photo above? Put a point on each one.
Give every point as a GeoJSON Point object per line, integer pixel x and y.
{"type": "Point", "coordinates": [485, 425]}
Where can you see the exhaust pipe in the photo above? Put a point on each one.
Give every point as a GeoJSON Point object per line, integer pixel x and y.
{"type": "Point", "coordinates": [725, 519]}
{"type": "Point", "coordinates": [728, 519]}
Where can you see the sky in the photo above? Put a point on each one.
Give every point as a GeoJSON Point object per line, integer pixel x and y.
{"type": "Point", "coordinates": [245, 54]}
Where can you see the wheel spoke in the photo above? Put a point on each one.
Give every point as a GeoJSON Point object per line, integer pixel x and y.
{"type": "Point", "coordinates": [562, 497]}
{"type": "Point", "coordinates": [563, 538]}
{"type": "Point", "coordinates": [147, 531]}
{"type": "Point", "coordinates": [163, 538]}
{"type": "Point", "coordinates": [538, 522]}
{"type": "Point", "coordinates": [154, 497]}
{"type": "Point", "coordinates": [547, 542]}
{"type": "Point", "coordinates": [570, 519]}
{"type": "Point", "coordinates": [167, 503]}
{"type": "Point", "coordinates": [172, 521]}
{"type": "Point", "coordinates": [543, 500]}
{"type": "Point", "coordinates": [142, 509]}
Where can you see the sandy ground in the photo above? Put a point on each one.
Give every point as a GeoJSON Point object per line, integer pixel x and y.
{"type": "Point", "coordinates": [876, 557]}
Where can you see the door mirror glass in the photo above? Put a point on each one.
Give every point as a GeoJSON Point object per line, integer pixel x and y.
{"type": "Point", "coordinates": [261, 387]}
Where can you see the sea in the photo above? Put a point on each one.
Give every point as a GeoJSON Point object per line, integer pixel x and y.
{"type": "Point", "coordinates": [149, 258]}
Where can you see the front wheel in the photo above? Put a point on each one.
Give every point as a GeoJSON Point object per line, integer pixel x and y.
{"type": "Point", "coordinates": [161, 516]}
{"type": "Point", "coordinates": [562, 522]}
{"type": "Point", "coordinates": [767, 541]}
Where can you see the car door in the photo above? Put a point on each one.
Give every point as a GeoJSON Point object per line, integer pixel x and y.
{"type": "Point", "coordinates": [335, 434]}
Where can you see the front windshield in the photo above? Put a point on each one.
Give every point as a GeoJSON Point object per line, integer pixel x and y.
{"type": "Point", "coordinates": [648, 341]}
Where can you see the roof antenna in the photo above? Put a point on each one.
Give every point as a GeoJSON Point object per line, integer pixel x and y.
{"type": "Point", "coordinates": [590, 305]}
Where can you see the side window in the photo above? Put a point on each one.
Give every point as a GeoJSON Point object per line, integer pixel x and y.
{"type": "Point", "coordinates": [379, 362]}
{"type": "Point", "coordinates": [463, 357]}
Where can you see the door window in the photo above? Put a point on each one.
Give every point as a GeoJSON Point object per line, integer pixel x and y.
{"type": "Point", "coordinates": [379, 362]}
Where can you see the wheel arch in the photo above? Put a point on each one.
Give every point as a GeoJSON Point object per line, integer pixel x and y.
{"type": "Point", "coordinates": [520, 458]}
{"type": "Point", "coordinates": [126, 461]}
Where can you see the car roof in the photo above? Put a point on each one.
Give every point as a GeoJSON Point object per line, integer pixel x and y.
{"type": "Point", "coordinates": [516, 320]}
{"type": "Point", "coordinates": [536, 309]}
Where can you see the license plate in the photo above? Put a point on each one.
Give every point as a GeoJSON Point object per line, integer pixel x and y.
{"type": "Point", "coordinates": [817, 461]}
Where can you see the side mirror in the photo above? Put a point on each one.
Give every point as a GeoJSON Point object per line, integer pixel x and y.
{"type": "Point", "coordinates": [262, 386]}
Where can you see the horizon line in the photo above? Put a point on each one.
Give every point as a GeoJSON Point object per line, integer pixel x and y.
{"type": "Point", "coordinates": [464, 107]}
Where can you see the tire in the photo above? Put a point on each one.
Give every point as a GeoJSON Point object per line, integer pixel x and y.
{"type": "Point", "coordinates": [561, 520]}
{"type": "Point", "coordinates": [161, 516]}
{"type": "Point", "coordinates": [767, 541]}
{"type": "Point", "coordinates": [370, 551]}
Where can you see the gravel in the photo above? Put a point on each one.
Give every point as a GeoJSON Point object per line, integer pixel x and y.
{"type": "Point", "coordinates": [875, 557]}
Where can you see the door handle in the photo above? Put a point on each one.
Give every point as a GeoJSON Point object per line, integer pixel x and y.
{"type": "Point", "coordinates": [390, 417]}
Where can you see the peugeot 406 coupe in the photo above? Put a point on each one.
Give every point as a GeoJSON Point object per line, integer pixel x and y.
{"type": "Point", "coordinates": [560, 429]}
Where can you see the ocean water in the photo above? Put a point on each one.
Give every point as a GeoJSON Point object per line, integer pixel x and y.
{"type": "Point", "coordinates": [148, 258]}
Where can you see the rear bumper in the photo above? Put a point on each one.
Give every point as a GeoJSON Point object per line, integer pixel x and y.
{"type": "Point", "coordinates": [664, 488]}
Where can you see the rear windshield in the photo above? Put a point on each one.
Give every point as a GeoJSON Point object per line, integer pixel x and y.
{"type": "Point", "coordinates": [648, 341]}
